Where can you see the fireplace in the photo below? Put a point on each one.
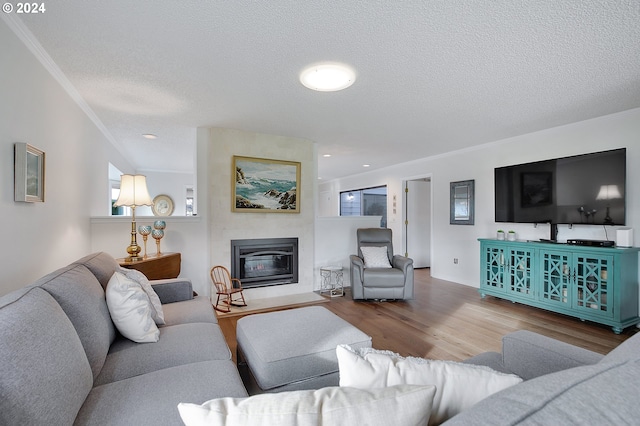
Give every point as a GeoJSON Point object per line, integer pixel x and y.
{"type": "Point", "coordinates": [265, 261]}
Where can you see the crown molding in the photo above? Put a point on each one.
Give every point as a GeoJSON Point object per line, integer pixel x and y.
{"type": "Point", "coordinates": [22, 32]}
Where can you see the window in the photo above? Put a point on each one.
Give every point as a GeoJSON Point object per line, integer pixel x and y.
{"type": "Point", "coordinates": [114, 186]}
{"type": "Point", "coordinates": [120, 210]}
{"type": "Point", "coordinates": [188, 202]}
{"type": "Point", "coordinates": [365, 202]}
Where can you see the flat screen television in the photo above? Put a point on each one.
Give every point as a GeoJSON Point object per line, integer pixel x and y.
{"type": "Point", "coordinates": [582, 189]}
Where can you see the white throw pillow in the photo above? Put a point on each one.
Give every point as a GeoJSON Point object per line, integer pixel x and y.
{"type": "Point", "coordinates": [458, 386]}
{"type": "Point", "coordinates": [156, 306]}
{"type": "Point", "coordinates": [375, 257]}
{"type": "Point", "coordinates": [398, 405]}
{"type": "Point", "coordinates": [130, 309]}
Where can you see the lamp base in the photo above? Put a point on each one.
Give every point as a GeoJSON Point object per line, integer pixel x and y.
{"type": "Point", "coordinates": [134, 249]}
{"type": "Point", "coordinates": [133, 259]}
{"type": "Point", "coordinates": [134, 253]}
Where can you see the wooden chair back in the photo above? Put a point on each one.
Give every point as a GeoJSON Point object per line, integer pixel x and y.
{"type": "Point", "coordinates": [227, 289]}
{"type": "Point", "coordinates": [221, 278]}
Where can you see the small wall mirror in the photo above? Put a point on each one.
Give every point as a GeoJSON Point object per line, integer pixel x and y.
{"type": "Point", "coordinates": [461, 202]}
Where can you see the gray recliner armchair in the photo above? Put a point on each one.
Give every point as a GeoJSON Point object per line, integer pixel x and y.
{"type": "Point", "coordinates": [373, 279]}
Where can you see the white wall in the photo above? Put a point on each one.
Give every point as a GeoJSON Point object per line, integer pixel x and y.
{"type": "Point", "coordinates": [172, 184]}
{"type": "Point", "coordinates": [458, 241]}
{"type": "Point", "coordinates": [336, 241]}
{"type": "Point", "coordinates": [225, 225]}
{"type": "Point", "coordinates": [34, 108]}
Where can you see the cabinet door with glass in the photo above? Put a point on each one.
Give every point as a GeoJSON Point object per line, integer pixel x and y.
{"type": "Point", "coordinates": [555, 278]}
{"type": "Point", "coordinates": [494, 267]}
{"type": "Point", "coordinates": [594, 294]}
{"type": "Point", "coordinates": [507, 269]}
{"type": "Point", "coordinates": [520, 276]}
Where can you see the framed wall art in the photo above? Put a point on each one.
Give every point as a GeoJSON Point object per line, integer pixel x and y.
{"type": "Point", "coordinates": [260, 185]}
{"type": "Point", "coordinates": [461, 205]}
{"type": "Point", "coordinates": [28, 173]}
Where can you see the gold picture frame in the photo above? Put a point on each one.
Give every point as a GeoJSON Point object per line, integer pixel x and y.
{"type": "Point", "coordinates": [28, 173]}
{"type": "Point", "coordinates": [260, 185]}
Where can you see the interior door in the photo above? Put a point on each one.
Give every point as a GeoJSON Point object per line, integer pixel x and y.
{"type": "Point", "coordinates": [418, 222]}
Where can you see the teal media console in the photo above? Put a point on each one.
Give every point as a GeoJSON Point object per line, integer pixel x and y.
{"type": "Point", "coordinates": [598, 284]}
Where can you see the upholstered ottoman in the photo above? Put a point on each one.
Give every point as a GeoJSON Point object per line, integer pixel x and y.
{"type": "Point", "coordinates": [293, 349]}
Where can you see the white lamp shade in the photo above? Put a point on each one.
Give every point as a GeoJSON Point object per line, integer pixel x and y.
{"type": "Point", "coordinates": [608, 192]}
{"type": "Point", "coordinates": [133, 191]}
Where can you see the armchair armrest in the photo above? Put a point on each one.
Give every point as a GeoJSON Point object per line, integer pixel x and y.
{"type": "Point", "coordinates": [357, 269]}
{"type": "Point", "coordinates": [173, 290]}
{"type": "Point", "coordinates": [357, 262]}
{"type": "Point", "coordinates": [356, 274]}
{"type": "Point", "coordinates": [530, 355]}
{"type": "Point", "coordinates": [405, 264]}
{"type": "Point", "coordinates": [401, 262]}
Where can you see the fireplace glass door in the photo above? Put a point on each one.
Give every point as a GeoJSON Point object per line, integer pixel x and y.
{"type": "Point", "coordinates": [260, 262]}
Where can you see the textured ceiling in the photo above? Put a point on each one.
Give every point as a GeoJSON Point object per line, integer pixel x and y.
{"type": "Point", "coordinates": [432, 76]}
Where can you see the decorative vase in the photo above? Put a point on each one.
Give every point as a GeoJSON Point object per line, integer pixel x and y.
{"type": "Point", "coordinates": [144, 230]}
{"type": "Point", "coordinates": [157, 234]}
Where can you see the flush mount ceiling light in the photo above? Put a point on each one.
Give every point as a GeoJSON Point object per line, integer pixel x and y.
{"type": "Point", "coordinates": [328, 77]}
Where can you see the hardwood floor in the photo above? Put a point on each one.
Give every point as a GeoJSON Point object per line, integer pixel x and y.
{"type": "Point", "coordinates": [451, 321]}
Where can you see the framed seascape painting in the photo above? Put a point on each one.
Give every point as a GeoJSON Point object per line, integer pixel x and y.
{"type": "Point", "coordinates": [265, 186]}
{"type": "Point", "coordinates": [28, 173]}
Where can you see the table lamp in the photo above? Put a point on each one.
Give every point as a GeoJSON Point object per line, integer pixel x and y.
{"type": "Point", "coordinates": [133, 193]}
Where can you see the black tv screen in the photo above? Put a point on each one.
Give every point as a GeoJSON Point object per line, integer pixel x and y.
{"type": "Point", "coordinates": [582, 189]}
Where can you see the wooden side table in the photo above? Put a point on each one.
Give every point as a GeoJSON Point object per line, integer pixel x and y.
{"type": "Point", "coordinates": [167, 265]}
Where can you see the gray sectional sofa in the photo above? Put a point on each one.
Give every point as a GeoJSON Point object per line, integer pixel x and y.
{"type": "Point", "coordinates": [564, 384]}
{"type": "Point", "coordinates": [62, 361]}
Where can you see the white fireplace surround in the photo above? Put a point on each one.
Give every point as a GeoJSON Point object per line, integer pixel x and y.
{"type": "Point", "coordinates": [216, 148]}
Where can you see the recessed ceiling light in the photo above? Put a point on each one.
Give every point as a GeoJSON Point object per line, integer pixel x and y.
{"type": "Point", "coordinates": [149, 136]}
{"type": "Point", "coordinates": [327, 155]}
{"type": "Point", "coordinates": [327, 77]}
{"type": "Point", "coordinates": [366, 165]}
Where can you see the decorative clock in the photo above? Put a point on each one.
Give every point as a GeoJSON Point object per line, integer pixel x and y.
{"type": "Point", "coordinates": [162, 205]}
